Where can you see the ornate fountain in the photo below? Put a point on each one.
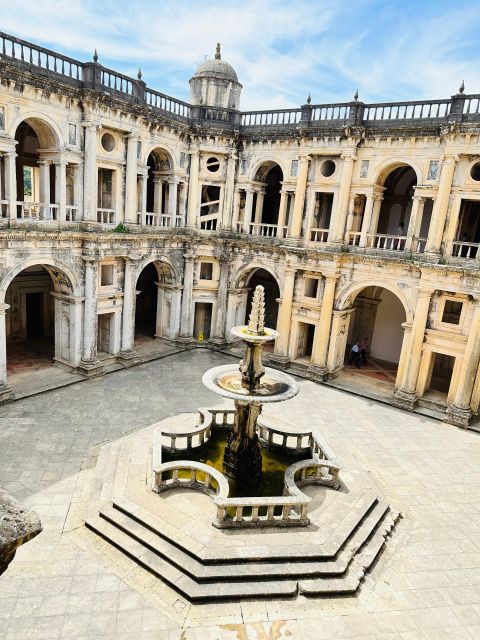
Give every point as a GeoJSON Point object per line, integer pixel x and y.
{"type": "Point", "coordinates": [249, 386]}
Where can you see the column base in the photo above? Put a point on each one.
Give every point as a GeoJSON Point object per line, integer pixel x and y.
{"type": "Point", "coordinates": [458, 416]}
{"type": "Point", "coordinates": [404, 399]}
{"type": "Point", "coordinates": [91, 368]}
{"type": "Point", "coordinates": [188, 342]}
{"type": "Point", "coordinates": [6, 394]}
{"type": "Point", "coordinates": [127, 357]}
{"type": "Point", "coordinates": [282, 362]}
{"type": "Point", "coordinates": [217, 342]}
{"type": "Point", "coordinates": [317, 373]}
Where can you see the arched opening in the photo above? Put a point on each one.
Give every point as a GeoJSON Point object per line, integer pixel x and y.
{"type": "Point", "coordinates": [40, 321]}
{"type": "Point", "coordinates": [272, 293]}
{"type": "Point", "coordinates": [266, 200]}
{"type": "Point", "coordinates": [376, 327]}
{"type": "Point", "coordinates": [159, 206]}
{"type": "Point", "coordinates": [45, 183]}
{"type": "Point", "coordinates": [153, 303]}
{"type": "Point", "coordinates": [396, 207]}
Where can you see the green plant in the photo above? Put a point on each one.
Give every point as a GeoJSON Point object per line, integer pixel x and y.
{"type": "Point", "coordinates": [120, 228]}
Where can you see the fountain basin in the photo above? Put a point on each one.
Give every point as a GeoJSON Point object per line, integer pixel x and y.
{"type": "Point", "coordinates": [226, 381]}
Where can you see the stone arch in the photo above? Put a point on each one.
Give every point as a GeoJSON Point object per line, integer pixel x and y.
{"type": "Point", "coordinates": [48, 133]}
{"type": "Point", "coordinates": [385, 168]}
{"type": "Point", "coordinates": [262, 167]}
{"type": "Point", "coordinates": [158, 300]}
{"type": "Point", "coordinates": [65, 280]}
{"type": "Point", "coordinates": [243, 276]}
{"type": "Point", "coordinates": [346, 297]}
{"type": "Point", "coordinates": [161, 153]}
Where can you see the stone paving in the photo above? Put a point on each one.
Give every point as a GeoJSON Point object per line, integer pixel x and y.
{"type": "Point", "coordinates": [67, 584]}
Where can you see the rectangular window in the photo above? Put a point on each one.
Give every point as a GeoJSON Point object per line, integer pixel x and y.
{"type": "Point", "coordinates": [206, 271]}
{"type": "Point", "coordinates": [106, 275]}
{"type": "Point", "coordinates": [244, 166]}
{"type": "Point", "coordinates": [2, 118]}
{"type": "Point", "coordinates": [432, 170]}
{"type": "Point", "coordinates": [183, 159]}
{"type": "Point", "coordinates": [72, 134]}
{"type": "Point", "coordinates": [452, 311]}
{"type": "Point", "coordinates": [311, 288]}
{"type": "Point", "coordinates": [139, 150]}
{"type": "Point", "coordinates": [364, 168]}
{"type": "Point", "coordinates": [294, 168]}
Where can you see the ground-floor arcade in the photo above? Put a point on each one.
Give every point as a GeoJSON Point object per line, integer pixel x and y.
{"type": "Point", "coordinates": [108, 311]}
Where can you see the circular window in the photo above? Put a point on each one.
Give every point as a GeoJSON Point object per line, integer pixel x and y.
{"type": "Point", "coordinates": [108, 142]}
{"type": "Point", "coordinates": [213, 164]}
{"type": "Point", "coordinates": [328, 168]}
{"type": "Point", "coordinates": [475, 171]}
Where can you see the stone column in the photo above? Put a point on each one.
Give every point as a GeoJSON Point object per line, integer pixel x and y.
{"type": "Point", "coordinates": [9, 160]}
{"type": "Point", "coordinates": [131, 180]}
{"type": "Point", "coordinates": [341, 210]}
{"type": "Point", "coordinates": [282, 210]}
{"type": "Point", "coordinates": [219, 329]}
{"type": "Point", "coordinates": [44, 167]}
{"type": "Point", "coordinates": [127, 352]}
{"type": "Point", "coordinates": [185, 334]}
{"type": "Point", "coordinates": [415, 222]}
{"type": "Point", "coordinates": [405, 396]}
{"type": "Point", "coordinates": [459, 412]}
{"type": "Point", "coordinates": [284, 317]}
{"type": "Point", "coordinates": [183, 202]}
{"type": "Point", "coordinates": [259, 207]}
{"type": "Point", "coordinates": [143, 196]}
{"type": "Point", "coordinates": [236, 209]}
{"type": "Point", "coordinates": [440, 207]}
{"type": "Point", "coordinates": [157, 195]}
{"type": "Point", "coordinates": [247, 217]}
{"type": "Point", "coordinates": [90, 365]}
{"type": "Point", "coordinates": [61, 188]}
{"type": "Point", "coordinates": [318, 370]}
{"type": "Point", "coordinates": [193, 189]}
{"type": "Point", "coordinates": [350, 216]}
{"type": "Point", "coordinates": [78, 189]}
{"type": "Point", "coordinates": [172, 199]}
{"type": "Point", "coordinates": [5, 392]}
{"type": "Point", "coordinates": [228, 202]}
{"type": "Point", "coordinates": [300, 191]}
{"type": "Point", "coordinates": [90, 177]}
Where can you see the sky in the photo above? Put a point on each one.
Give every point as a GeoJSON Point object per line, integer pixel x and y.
{"type": "Point", "coordinates": [282, 50]}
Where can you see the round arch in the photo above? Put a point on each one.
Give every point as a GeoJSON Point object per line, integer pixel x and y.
{"type": "Point", "coordinates": [48, 133]}
{"type": "Point", "coordinates": [385, 168]}
{"type": "Point", "coordinates": [159, 150]}
{"type": "Point", "coordinates": [243, 276]}
{"type": "Point", "coordinates": [268, 162]}
{"type": "Point", "coordinates": [347, 297]}
{"type": "Point", "coordinates": [158, 263]}
{"type": "Point", "coordinates": [62, 276]}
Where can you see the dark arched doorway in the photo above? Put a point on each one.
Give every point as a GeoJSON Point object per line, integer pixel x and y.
{"type": "Point", "coordinates": [272, 293]}
{"type": "Point", "coordinates": [146, 307]}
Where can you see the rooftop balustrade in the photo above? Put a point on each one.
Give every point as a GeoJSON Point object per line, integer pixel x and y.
{"type": "Point", "coordinates": [31, 57]}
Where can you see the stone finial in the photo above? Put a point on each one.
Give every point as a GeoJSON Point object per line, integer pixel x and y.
{"type": "Point", "coordinates": [139, 74]}
{"type": "Point", "coordinates": [256, 323]}
{"type": "Point", "coordinates": [462, 87]}
{"type": "Point", "coordinates": [95, 56]}
{"type": "Point", "coordinates": [218, 55]}
{"type": "Point", "coordinates": [309, 99]}
{"type": "Point", "coordinates": [355, 96]}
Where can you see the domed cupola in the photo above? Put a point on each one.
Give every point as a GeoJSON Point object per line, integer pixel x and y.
{"type": "Point", "coordinates": [215, 84]}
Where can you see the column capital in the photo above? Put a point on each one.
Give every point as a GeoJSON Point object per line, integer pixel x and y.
{"type": "Point", "coordinates": [290, 270]}
{"type": "Point", "coordinates": [304, 157]}
{"type": "Point", "coordinates": [90, 260]}
{"type": "Point", "coordinates": [189, 256]}
{"type": "Point", "coordinates": [425, 292]}
{"type": "Point", "coordinates": [194, 152]}
{"type": "Point", "coordinates": [450, 158]}
{"type": "Point", "coordinates": [348, 156]}
{"type": "Point", "coordinates": [332, 277]}
{"type": "Point", "coordinates": [3, 308]}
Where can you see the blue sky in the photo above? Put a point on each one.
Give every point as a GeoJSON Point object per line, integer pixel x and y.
{"type": "Point", "coordinates": [281, 50]}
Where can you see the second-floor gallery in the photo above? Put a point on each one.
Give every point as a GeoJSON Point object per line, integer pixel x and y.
{"type": "Point", "coordinates": [129, 218]}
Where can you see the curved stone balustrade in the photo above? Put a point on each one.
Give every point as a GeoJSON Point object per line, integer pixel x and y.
{"type": "Point", "coordinates": [291, 509]}
{"type": "Point", "coordinates": [167, 477]}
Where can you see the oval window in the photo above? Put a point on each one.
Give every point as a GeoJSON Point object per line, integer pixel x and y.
{"type": "Point", "coordinates": [213, 164]}
{"type": "Point", "coordinates": [108, 142]}
{"type": "Point", "coordinates": [328, 168]}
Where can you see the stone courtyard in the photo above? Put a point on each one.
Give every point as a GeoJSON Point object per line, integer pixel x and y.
{"type": "Point", "coordinates": [67, 583]}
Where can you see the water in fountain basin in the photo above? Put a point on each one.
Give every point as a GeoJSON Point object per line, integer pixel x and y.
{"type": "Point", "coordinates": [274, 465]}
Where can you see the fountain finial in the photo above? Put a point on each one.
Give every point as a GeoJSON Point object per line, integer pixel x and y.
{"type": "Point", "coordinates": [256, 322]}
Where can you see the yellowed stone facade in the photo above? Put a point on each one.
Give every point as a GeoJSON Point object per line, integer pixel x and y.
{"type": "Point", "coordinates": [361, 220]}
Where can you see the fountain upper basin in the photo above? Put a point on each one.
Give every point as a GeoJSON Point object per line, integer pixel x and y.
{"type": "Point", "coordinates": [226, 381]}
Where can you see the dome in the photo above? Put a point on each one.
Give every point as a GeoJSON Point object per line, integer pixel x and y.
{"type": "Point", "coordinates": [217, 68]}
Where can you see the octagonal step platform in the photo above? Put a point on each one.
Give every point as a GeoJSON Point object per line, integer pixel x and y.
{"type": "Point", "coordinates": [171, 535]}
